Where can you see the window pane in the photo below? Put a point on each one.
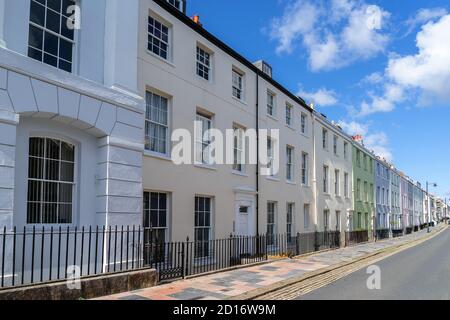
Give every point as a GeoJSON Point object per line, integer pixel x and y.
{"type": "Point", "coordinates": [67, 152]}
{"type": "Point", "coordinates": [33, 212]}
{"type": "Point", "coordinates": [53, 21]}
{"type": "Point", "coordinates": [65, 193]}
{"type": "Point", "coordinates": [65, 50]}
{"type": "Point", "coordinates": [35, 37]}
{"type": "Point", "coordinates": [37, 13]}
{"type": "Point", "coordinates": [34, 191]}
{"type": "Point", "coordinates": [65, 213]}
{"type": "Point", "coordinates": [64, 65]}
{"type": "Point", "coordinates": [55, 5]}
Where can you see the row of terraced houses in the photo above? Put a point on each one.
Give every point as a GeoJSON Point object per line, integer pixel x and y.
{"type": "Point", "coordinates": [86, 116]}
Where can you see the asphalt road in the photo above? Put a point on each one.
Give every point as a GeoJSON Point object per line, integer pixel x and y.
{"type": "Point", "coordinates": [421, 272]}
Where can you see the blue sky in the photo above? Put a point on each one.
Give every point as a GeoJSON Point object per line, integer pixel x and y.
{"type": "Point", "coordinates": [381, 68]}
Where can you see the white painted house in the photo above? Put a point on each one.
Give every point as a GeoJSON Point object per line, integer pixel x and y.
{"type": "Point", "coordinates": [71, 117]}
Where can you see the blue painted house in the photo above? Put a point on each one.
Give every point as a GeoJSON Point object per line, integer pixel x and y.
{"type": "Point", "coordinates": [382, 192]}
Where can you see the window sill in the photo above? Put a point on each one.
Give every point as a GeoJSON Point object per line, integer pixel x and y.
{"type": "Point", "coordinates": [205, 166]}
{"type": "Point", "coordinates": [200, 78]}
{"type": "Point", "coordinates": [239, 100]}
{"type": "Point", "coordinates": [290, 127]}
{"type": "Point", "coordinates": [292, 183]}
{"type": "Point", "coordinates": [272, 117]}
{"type": "Point", "coordinates": [161, 59]}
{"type": "Point", "coordinates": [156, 155]}
{"type": "Point", "coordinates": [272, 179]}
{"type": "Point", "coordinates": [306, 186]}
{"type": "Point", "coordinates": [239, 173]}
{"type": "Point", "coordinates": [304, 134]}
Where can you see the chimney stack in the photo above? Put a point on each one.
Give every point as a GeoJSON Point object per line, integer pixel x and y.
{"type": "Point", "coordinates": [196, 19]}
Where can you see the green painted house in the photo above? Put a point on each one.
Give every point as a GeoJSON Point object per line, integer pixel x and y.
{"type": "Point", "coordinates": [363, 188]}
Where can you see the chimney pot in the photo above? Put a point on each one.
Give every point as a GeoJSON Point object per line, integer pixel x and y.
{"type": "Point", "coordinates": [196, 19]}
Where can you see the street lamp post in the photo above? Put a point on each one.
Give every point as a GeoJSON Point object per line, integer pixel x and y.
{"type": "Point", "coordinates": [428, 204]}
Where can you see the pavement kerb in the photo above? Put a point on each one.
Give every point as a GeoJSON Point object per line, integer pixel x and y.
{"type": "Point", "coordinates": [285, 283]}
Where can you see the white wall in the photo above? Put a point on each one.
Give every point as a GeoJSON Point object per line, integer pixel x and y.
{"type": "Point", "coordinates": [107, 125]}
{"type": "Point", "coordinates": [326, 157]}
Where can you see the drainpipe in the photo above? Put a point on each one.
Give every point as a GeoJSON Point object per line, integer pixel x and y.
{"type": "Point", "coordinates": [257, 154]}
{"type": "Point", "coordinates": [2, 23]}
{"type": "Point", "coordinates": [314, 174]}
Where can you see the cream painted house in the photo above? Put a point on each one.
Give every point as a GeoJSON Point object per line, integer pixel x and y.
{"type": "Point", "coordinates": [333, 166]}
{"type": "Point", "coordinates": [187, 74]}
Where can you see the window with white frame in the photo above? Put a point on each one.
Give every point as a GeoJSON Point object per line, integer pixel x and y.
{"type": "Point", "coordinates": [337, 182]}
{"type": "Point", "coordinates": [271, 224]}
{"type": "Point", "coordinates": [358, 189]}
{"type": "Point", "coordinates": [290, 221]}
{"type": "Point", "coordinates": [271, 104]}
{"type": "Point", "coordinates": [203, 63]}
{"type": "Point", "coordinates": [306, 216]}
{"type": "Point", "coordinates": [51, 35]}
{"type": "Point", "coordinates": [345, 150]}
{"type": "Point", "coordinates": [157, 123]}
{"type": "Point", "coordinates": [366, 192]}
{"type": "Point", "coordinates": [326, 220]}
{"type": "Point", "coordinates": [378, 195]}
{"type": "Point", "coordinates": [338, 220]}
{"type": "Point", "coordinates": [335, 145]}
{"type": "Point", "coordinates": [179, 4]}
{"type": "Point", "coordinates": [303, 123]}
{"type": "Point", "coordinates": [270, 155]}
{"type": "Point", "coordinates": [158, 38]}
{"type": "Point", "coordinates": [238, 84]}
{"type": "Point", "coordinates": [203, 225]}
{"type": "Point", "coordinates": [238, 149]}
{"type": "Point", "coordinates": [156, 215]}
{"type": "Point", "coordinates": [203, 139]}
{"type": "Point", "coordinates": [51, 181]}
{"type": "Point", "coordinates": [346, 185]}
{"type": "Point", "coordinates": [304, 168]}
{"type": "Point", "coordinates": [289, 163]}
{"type": "Point", "coordinates": [289, 114]}
{"type": "Point", "coordinates": [358, 158]}
{"type": "Point", "coordinates": [325, 179]}
{"type": "Point", "coordinates": [325, 138]}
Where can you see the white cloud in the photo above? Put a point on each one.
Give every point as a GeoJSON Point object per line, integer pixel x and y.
{"type": "Point", "coordinates": [354, 128]}
{"type": "Point", "coordinates": [429, 69]}
{"type": "Point", "coordinates": [423, 16]}
{"type": "Point", "coordinates": [299, 18]}
{"type": "Point", "coordinates": [334, 35]}
{"type": "Point", "coordinates": [386, 102]}
{"type": "Point", "coordinates": [377, 141]}
{"type": "Point", "coordinates": [322, 97]}
{"type": "Point", "coordinates": [373, 78]}
{"type": "Point", "coordinates": [426, 73]}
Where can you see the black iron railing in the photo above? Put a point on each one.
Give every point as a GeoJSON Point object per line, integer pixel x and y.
{"type": "Point", "coordinates": [355, 237]}
{"type": "Point", "coordinates": [39, 255]}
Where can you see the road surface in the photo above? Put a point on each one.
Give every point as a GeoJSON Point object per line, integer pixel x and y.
{"type": "Point", "coordinates": [421, 272]}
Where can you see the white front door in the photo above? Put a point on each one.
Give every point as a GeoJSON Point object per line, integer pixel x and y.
{"type": "Point", "coordinates": [244, 214]}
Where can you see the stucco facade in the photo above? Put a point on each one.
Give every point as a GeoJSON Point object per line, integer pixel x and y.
{"type": "Point", "coordinates": [94, 109]}
{"type": "Point", "coordinates": [333, 174]}
{"type": "Point", "coordinates": [188, 94]}
{"type": "Point", "coordinates": [382, 194]}
{"type": "Point", "coordinates": [363, 188]}
{"type": "Point", "coordinates": [395, 201]}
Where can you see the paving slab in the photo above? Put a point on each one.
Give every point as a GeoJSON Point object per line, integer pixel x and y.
{"type": "Point", "coordinates": [228, 284]}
